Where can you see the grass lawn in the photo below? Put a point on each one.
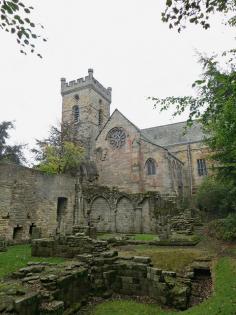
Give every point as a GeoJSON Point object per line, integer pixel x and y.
{"type": "Point", "coordinates": [223, 301]}
{"type": "Point", "coordinates": [17, 257]}
{"type": "Point", "coordinates": [167, 258]}
{"type": "Point", "coordinates": [145, 237]}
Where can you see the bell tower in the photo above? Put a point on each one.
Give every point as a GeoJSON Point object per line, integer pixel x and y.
{"type": "Point", "coordinates": [86, 105]}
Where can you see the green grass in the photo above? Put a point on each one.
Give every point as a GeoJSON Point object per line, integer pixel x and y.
{"type": "Point", "coordinates": [105, 236]}
{"type": "Point", "coordinates": [223, 301]}
{"type": "Point", "coordinates": [145, 237]}
{"type": "Point", "coordinates": [125, 307]}
{"type": "Point", "coordinates": [17, 257]}
{"type": "Point", "coordinates": [167, 258]}
{"type": "Point", "coordinates": [183, 237]}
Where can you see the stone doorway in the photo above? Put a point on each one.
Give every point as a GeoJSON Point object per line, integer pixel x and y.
{"type": "Point", "coordinates": [17, 233]}
{"type": "Point", "coordinates": [61, 211]}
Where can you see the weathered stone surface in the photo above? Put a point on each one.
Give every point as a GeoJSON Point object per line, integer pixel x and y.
{"type": "Point", "coordinates": [67, 246]}
{"type": "Point", "coordinates": [3, 245]}
{"type": "Point", "coordinates": [142, 260]}
{"type": "Point", "coordinates": [28, 203]}
{"type": "Point", "coordinates": [23, 216]}
{"type": "Point", "coordinates": [96, 275]}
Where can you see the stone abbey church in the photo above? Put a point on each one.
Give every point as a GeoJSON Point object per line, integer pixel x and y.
{"type": "Point", "coordinates": [131, 178]}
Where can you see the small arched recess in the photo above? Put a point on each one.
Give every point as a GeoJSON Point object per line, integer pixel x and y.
{"type": "Point", "coordinates": [100, 215]}
{"type": "Point", "coordinates": [124, 216]}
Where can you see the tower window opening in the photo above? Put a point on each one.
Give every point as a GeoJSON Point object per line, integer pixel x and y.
{"type": "Point", "coordinates": [100, 117]}
{"type": "Point", "coordinates": [76, 113]}
{"type": "Point", "coordinates": [151, 167]}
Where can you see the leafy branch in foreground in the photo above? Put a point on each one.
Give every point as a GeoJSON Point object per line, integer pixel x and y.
{"type": "Point", "coordinates": [14, 19]}
{"type": "Point", "coordinates": [180, 12]}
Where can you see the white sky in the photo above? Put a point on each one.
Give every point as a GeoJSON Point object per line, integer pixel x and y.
{"type": "Point", "coordinates": [125, 42]}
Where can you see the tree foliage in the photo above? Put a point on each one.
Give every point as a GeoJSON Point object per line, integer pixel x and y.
{"type": "Point", "coordinates": [214, 106]}
{"type": "Point", "coordinates": [11, 153]}
{"type": "Point", "coordinates": [60, 152]}
{"type": "Point", "coordinates": [223, 229]}
{"type": "Point", "coordinates": [180, 12]}
{"type": "Point", "coordinates": [216, 197]}
{"type": "Point", "coordinates": [15, 20]}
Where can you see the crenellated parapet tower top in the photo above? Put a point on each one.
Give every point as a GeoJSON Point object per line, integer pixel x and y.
{"type": "Point", "coordinates": [87, 82]}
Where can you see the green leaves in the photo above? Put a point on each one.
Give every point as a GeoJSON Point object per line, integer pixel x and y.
{"type": "Point", "coordinates": [15, 20]}
{"type": "Point", "coordinates": [215, 108]}
{"type": "Point", "coordinates": [12, 153]}
{"type": "Point", "coordinates": [195, 12]}
{"type": "Point", "coordinates": [60, 153]}
{"type": "Point", "coordinates": [63, 159]}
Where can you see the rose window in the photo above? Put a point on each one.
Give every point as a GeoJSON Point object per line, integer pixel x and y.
{"type": "Point", "coordinates": [116, 137]}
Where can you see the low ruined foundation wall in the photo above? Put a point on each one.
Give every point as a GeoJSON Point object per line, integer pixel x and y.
{"type": "Point", "coordinates": [44, 288]}
{"type": "Point", "coordinates": [135, 276]}
{"type": "Point", "coordinates": [67, 246]}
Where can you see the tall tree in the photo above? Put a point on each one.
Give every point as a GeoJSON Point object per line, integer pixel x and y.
{"type": "Point", "coordinates": [60, 152]}
{"type": "Point", "coordinates": [15, 19]}
{"type": "Point", "coordinates": [11, 153]}
{"type": "Point", "coordinates": [214, 106]}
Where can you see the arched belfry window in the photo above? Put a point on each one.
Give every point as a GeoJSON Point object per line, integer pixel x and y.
{"type": "Point", "coordinates": [75, 112]}
{"type": "Point", "coordinates": [150, 166]}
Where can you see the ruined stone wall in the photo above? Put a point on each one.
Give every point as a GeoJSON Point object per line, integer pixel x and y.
{"type": "Point", "coordinates": [34, 204]}
{"type": "Point", "coordinates": [111, 210]}
{"type": "Point", "coordinates": [29, 198]}
{"type": "Point", "coordinates": [67, 246]}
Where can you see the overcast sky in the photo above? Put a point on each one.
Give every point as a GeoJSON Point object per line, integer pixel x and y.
{"type": "Point", "coordinates": [126, 44]}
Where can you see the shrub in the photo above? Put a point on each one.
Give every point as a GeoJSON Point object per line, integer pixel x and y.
{"type": "Point", "coordinates": [216, 197]}
{"type": "Point", "coordinates": [223, 229]}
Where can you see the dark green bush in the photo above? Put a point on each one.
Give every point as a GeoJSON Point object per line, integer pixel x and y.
{"type": "Point", "coordinates": [223, 229]}
{"type": "Point", "coordinates": [216, 197]}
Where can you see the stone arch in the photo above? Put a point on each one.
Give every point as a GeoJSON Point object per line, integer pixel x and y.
{"type": "Point", "coordinates": [100, 214]}
{"type": "Point", "coordinates": [124, 216]}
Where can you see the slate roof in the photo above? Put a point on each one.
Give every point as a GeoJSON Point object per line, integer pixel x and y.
{"type": "Point", "coordinates": [174, 134]}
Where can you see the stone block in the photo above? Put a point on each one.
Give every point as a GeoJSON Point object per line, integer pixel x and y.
{"type": "Point", "coordinates": [126, 280]}
{"type": "Point", "coordinates": [110, 254]}
{"type": "Point", "coordinates": [28, 304]}
{"type": "Point", "coordinates": [142, 259]}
